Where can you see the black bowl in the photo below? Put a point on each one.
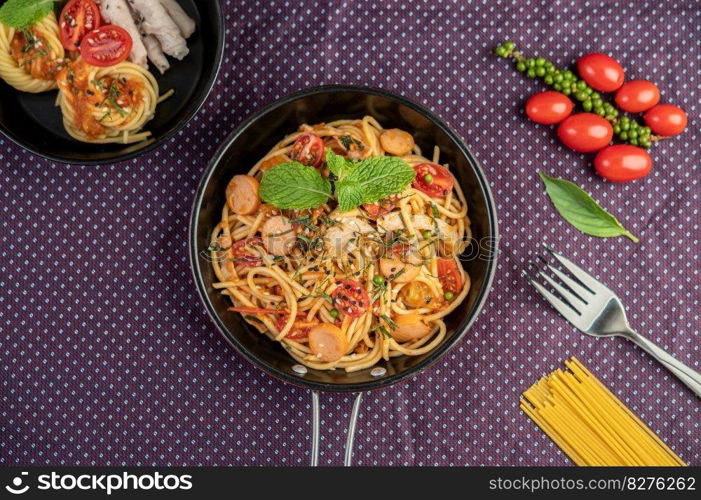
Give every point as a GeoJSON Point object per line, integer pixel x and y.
{"type": "Point", "coordinates": [255, 137]}
{"type": "Point", "coordinates": [34, 122]}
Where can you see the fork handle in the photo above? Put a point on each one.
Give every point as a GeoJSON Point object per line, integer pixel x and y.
{"type": "Point", "coordinates": [686, 374]}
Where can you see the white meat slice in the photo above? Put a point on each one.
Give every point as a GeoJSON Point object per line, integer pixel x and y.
{"type": "Point", "coordinates": [342, 237]}
{"type": "Point", "coordinates": [117, 12]}
{"type": "Point", "coordinates": [155, 54]}
{"type": "Point", "coordinates": [393, 222]}
{"type": "Point", "coordinates": [154, 20]}
{"type": "Point", "coordinates": [184, 22]}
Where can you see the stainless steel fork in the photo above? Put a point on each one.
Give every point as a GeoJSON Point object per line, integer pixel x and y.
{"type": "Point", "coordinates": [596, 310]}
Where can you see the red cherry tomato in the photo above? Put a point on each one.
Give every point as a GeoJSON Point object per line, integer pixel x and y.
{"type": "Point", "coordinates": [449, 276]}
{"type": "Point", "coordinates": [665, 119]}
{"type": "Point", "coordinates": [77, 18]}
{"type": "Point", "coordinates": [637, 96]}
{"type": "Point", "coordinates": [601, 72]}
{"type": "Point", "coordinates": [106, 46]}
{"type": "Point", "coordinates": [351, 298]}
{"type": "Point", "coordinates": [585, 132]}
{"type": "Point", "coordinates": [382, 207]}
{"type": "Point", "coordinates": [548, 107]}
{"type": "Point", "coordinates": [433, 180]}
{"type": "Point", "coordinates": [622, 163]}
{"type": "Point", "coordinates": [308, 149]}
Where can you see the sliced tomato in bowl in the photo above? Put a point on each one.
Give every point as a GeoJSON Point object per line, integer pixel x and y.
{"type": "Point", "coordinates": [78, 17]}
{"type": "Point", "coordinates": [106, 46]}
{"type": "Point", "coordinates": [308, 149]}
{"type": "Point", "coordinates": [433, 180]}
{"type": "Point", "coordinates": [449, 276]}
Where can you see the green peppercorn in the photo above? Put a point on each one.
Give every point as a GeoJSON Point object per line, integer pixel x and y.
{"type": "Point", "coordinates": [596, 95]}
{"type": "Point", "coordinates": [645, 131]}
{"type": "Point", "coordinates": [569, 75]}
{"type": "Point", "coordinates": [558, 77]}
{"type": "Point", "coordinates": [616, 129]}
{"type": "Point", "coordinates": [587, 105]}
{"type": "Point", "coordinates": [566, 90]}
{"type": "Point", "coordinates": [614, 113]}
{"type": "Point", "coordinates": [531, 73]}
{"type": "Point", "coordinates": [581, 96]}
{"type": "Point", "coordinates": [540, 61]}
{"type": "Point", "coordinates": [625, 119]}
{"type": "Point", "coordinates": [521, 66]}
{"type": "Point", "coordinates": [601, 113]}
{"type": "Point", "coordinates": [573, 88]}
{"type": "Point", "coordinates": [540, 71]}
{"type": "Point", "coordinates": [333, 313]}
{"type": "Point", "coordinates": [634, 142]}
{"type": "Point", "coordinates": [428, 178]}
{"type": "Point", "coordinates": [644, 142]}
{"type": "Point", "coordinates": [509, 45]}
{"type": "Point", "coordinates": [625, 125]}
{"type": "Point", "coordinates": [589, 91]}
{"type": "Point", "coordinates": [530, 63]}
{"type": "Point", "coordinates": [557, 86]}
{"type": "Point", "coordinates": [633, 134]}
{"type": "Point", "coordinates": [550, 67]}
{"type": "Point", "coordinates": [548, 80]}
{"type": "Point", "coordinates": [598, 108]}
{"type": "Point", "coordinates": [500, 51]}
{"type": "Point", "coordinates": [378, 280]}
{"type": "Point", "coordinates": [623, 136]}
{"type": "Point", "coordinates": [426, 234]}
{"type": "Point", "coordinates": [448, 295]}
{"type": "Point", "coordinates": [581, 84]}
{"type": "Point", "coordinates": [596, 99]}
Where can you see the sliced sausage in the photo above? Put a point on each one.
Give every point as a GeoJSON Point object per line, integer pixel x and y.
{"type": "Point", "coordinates": [409, 328]}
{"type": "Point", "coordinates": [327, 342]}
{"type": "Point", "coordinates": [279, 237]}
{"type": "Point", "coordinates": [266, 165]}
{"type": "Point", "coordinates": [242, 194]}
{"type": "Point", "coordinates": [397, 142]}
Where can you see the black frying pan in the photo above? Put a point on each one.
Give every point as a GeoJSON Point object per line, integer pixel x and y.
{"type": "Point", "coordinates": [34, 122]}
{"type": "Point", "coordinates": [252, 140]}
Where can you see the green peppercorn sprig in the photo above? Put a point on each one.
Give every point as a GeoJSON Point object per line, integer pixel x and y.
{"type": "Point", "coordinates": [565, 81]}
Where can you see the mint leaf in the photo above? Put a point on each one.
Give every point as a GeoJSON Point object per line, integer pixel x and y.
{"type": "Point", "coordinates": [293, 185]}
{"type": "Point", "coordinates": [578, 208]}
{"type": "Point", "coordinates": [373, 179]}
{"type": "Point", "coordinates": [339, 165]}
{"type": "Point", "coordinates": [21, 14]}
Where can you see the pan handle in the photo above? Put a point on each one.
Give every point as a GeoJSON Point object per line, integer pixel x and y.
{"type": "Point", "coordinates": [350, 435]}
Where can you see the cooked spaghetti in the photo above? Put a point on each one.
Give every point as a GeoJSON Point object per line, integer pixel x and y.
{"type": "Point", "coordinates": [30, 58]}
{"type": "Point", "coordinates": [107, 104]}
{"type": "Point", "coordinates": [590, 424]}
{"type": "Point", "coordinates": [346, 290]}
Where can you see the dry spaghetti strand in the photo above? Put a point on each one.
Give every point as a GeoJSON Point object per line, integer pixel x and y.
{"type": "Point", "coordinates": [590, 424]}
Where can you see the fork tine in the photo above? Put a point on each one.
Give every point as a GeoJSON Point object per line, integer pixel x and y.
{"type": "Point", "coordinates": [580, 291]}
{"type": "Point", "coordinates": [566, 310]}
{"type": "Point", "coordinates": [564, 292]}
{"type": "Point", "coordinates": [587, 279]}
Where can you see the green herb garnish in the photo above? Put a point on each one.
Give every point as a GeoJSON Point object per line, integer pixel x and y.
{"type": "Point", "coordinates": [21, 14]}
{"type": "Point", "coordinates": [578, 208]}
{"type": "Point", "coordinates": [293, 185]}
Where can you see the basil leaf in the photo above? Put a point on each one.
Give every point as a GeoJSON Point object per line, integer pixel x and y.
{"type": "Point", "coordinates": [21, 14]}
{"type": "Point", "coordinates": [578, 208]}
{"type": "Point", "coordinates": [293, 185]}
{"type": "Point", "coordinates": [373, 179]}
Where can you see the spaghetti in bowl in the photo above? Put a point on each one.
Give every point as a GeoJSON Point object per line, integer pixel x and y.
{"type": "Point", "coordinates": [343, 292]}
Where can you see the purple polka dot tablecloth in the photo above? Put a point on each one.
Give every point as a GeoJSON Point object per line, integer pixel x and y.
{"type": "Point", "coordinates": [107, 356]}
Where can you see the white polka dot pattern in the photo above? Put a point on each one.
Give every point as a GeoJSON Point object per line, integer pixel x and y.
{"type": "Point", "coordinates": [107, 356]}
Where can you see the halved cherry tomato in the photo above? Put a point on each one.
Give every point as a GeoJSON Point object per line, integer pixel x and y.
{"type": "Point", "coordinates": [449, 276]}
{"type": "Point", "coordinates": [433, 180]}
{"type": "Point", "coordinates": [665, 119]}
{"type": "Point", "coordinates": [548, 107]}
{"type": "Point", "coordinates": [601, 72]}
{"type": "Point", "coordinates": [106, 46]}
{"type": "Point", "coordinates": [244, 258]}
{"type": "Point", "coordinates": [585, 132]}
{"type": "Point", "coordinates": [637, 96]}
{"type": "Point", "coordinates": [351, 298]}
{"type": "Point", "coordinates": [308, 149]}
{"type": "Point", "coordinates": [77, 18]}
{"type": "Point", "coordinates": [622, 163]}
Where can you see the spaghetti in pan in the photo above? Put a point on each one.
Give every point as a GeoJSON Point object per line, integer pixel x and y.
{"type": "Point", "coordinates": [345, 289]}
